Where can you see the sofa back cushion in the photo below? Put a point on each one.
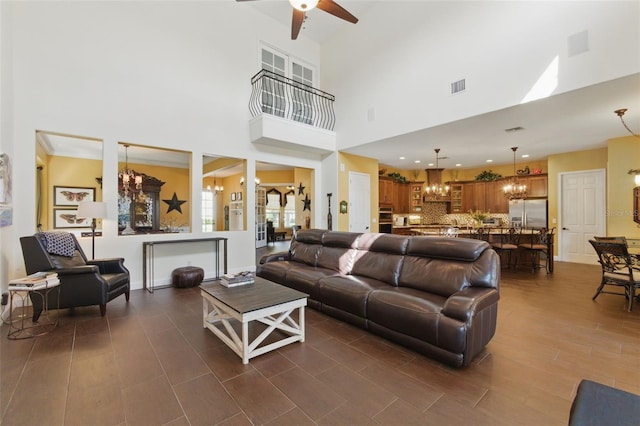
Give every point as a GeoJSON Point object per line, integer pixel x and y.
{"type": "Point", "coordinates": [381, 266]}
{"type": "Point", "coordinates": [306, 245]}
{"type": "Point", "coordinates": [338, 251]}
{"type": "Point", "coordinates": [444, 266]}
{"type": "Point", "coordinates": [437, 276]}
{"type": "Point", "coordinates": [306, 253]}
{"type": "Point", "coordinates": [464, 249]}
{"type": "Point", "coordinates": [385, 243]}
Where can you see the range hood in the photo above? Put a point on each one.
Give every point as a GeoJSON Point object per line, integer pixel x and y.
{"type": "Point", "coordinates": [435, 192]}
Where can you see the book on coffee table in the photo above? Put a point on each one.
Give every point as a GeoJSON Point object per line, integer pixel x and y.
{"type": "Point", "coordinates": [233, 280]}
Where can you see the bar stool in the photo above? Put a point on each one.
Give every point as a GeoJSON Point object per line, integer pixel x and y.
{"type": "Point", "coordinates": [538, 245]}
{"type": "Point", "coordinates": [508, 241]}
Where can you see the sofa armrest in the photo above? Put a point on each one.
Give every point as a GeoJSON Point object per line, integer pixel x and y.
{"type": "Point", "coordinates": [275, 257]}
{"type": "Point", "coordinates": [464, 304]}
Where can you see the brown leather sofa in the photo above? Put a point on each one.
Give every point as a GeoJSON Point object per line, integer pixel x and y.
{"type": "Point", "coordinates": [437, 296]}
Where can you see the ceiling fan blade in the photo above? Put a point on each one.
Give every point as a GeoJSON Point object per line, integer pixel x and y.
{"type": "Point", "coordinates": [335, 9]}
{"type": "Point", "coordinates": [296, 23]}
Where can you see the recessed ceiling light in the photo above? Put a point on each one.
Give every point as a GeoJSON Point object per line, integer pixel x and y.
{"type": "Point", "coordinates": [431, 164]}
{"type": "Point", "coordinates": [402, 158]}
{"type": "Point", "coordinates": [525, 155]}
{"type": "Point", "coordinates": [489, 161]}
{"type": "Point", "coordinates": [417, 161]}
{"type": "Point", "coordinates": [458, 165]}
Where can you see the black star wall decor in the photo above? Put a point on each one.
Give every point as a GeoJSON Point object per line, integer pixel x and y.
{"type": "Point", "coordinates": [174, 203]}
{"type": "Point", "coordinates": [307, 203]}
{"type": "Point", "coordinates": [301, 189]}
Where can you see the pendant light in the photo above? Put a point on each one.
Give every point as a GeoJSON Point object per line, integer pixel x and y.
{"type": "Point", "coordinates": [435, 190]}
{"type": "Point", "coordinates": [514, 190]}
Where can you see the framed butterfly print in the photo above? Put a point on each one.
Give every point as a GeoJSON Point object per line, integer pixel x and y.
{"type": "Point", "coordinates": [72, 195]}
{"type": "Point", "coordinates": [68, 218]}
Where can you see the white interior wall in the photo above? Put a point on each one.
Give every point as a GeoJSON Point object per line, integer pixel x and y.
{"type": "Point", "coordinates": [166, 74]}
{"type": "Point", "coordinates": [176, 75]}
{"type": "Point", "coordinates": [402, 56]}
{"type": "Point", "coordinates": [7, 233]}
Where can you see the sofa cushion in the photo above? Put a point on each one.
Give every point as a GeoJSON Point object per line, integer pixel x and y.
{"type": "Point", "coordinates": [406, 311]}
{"type": "Point", "coordinates": [305, 279]}
{"type": "Point", "coordinates": [348, 293]}
{"type": "Point", "coordinates": [275, 271]}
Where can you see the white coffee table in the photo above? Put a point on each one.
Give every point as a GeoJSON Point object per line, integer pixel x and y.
{"type": "Point", "coordinates": [263, 301]}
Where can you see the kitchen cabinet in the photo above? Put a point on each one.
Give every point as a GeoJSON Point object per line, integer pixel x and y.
{"type": "Point", "coordinates": [495, 201]}
{"type": "Point", "coordinates": [456, 198]}
{"type": "Point", "coordinates": [415, 194]}
{"type": "Point", "coordinates": [385, 190]}
{"type": "Point", "coordinates": [394, 194]}
{"type": "Point", "coordinates": [473, 196]}
{"type": "Point", "coordinates": [536, 186]}
{"type": "Point", "coordinates": [401, 197]}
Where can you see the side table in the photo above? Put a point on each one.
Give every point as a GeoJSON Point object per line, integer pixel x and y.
{"type": "Point", "coordinates": [21, 324]}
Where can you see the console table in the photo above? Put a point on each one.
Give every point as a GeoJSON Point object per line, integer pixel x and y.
{"type": "Point", "coordinates": [148, 258]}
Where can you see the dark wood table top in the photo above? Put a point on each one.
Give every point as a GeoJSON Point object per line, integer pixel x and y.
{"type": "Point", "coordinates": [251, 297]}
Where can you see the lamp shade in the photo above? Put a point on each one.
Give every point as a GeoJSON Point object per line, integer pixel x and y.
{"type": "Point", "coordinates": [92, 209]}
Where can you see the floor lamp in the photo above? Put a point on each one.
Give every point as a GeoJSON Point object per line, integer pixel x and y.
{"type": "Point", "coordinates": [94, 210]}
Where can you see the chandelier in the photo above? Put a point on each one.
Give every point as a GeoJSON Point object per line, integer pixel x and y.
{"type": "Point", "coordinates": [127, 175]}
{"type": "Point", "coordinates": [514, 190]}
{"type": "Point", "coordinates": [435, 190]}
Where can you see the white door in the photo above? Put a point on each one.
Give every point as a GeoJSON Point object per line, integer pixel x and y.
{"type": "Point", "coordinates": [582, 214]}
{"type": "Point", "coordinates": [359, 202]}
{"type": "Point", "coordinates": [261, 217]}
{"type": "Point", "coordinates": [236, 216]}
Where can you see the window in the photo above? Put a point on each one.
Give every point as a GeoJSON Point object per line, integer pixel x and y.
{"type": "Point", "coordinates": [275, 94]}
{"type": "Point", "coordinates": [273, 209]}
{"type": "Point", "coordinates": [208, 212]}
{"type": "Point", "coordinates": [290, 210]}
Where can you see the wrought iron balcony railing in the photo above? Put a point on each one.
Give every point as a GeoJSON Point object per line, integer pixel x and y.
{"type": "Point", "coordinates": [280, 96]}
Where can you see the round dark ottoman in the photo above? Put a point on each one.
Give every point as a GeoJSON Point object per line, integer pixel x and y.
{"type": "Point", "coordinates": [187, 276]}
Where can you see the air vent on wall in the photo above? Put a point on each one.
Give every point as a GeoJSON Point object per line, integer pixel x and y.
{"type": "Point", "coordinates": [458, 86]}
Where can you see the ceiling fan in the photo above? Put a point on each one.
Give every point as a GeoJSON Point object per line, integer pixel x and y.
{"type": "Point", "coordinates": [300, 7]}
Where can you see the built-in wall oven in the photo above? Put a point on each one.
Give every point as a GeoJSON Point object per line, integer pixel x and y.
{"type": "Point", "coordinates": [385, 220]}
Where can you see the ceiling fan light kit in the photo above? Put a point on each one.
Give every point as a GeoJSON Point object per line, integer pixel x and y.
{"type": "Point", "coordinates": [302, 6]}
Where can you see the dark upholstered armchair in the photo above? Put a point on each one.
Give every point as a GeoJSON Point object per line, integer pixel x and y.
{"type": "Point", "coordinates": [82, 282]}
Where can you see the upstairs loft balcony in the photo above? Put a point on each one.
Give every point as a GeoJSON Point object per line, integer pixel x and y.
{"type": "Point", "coordinates": [290, 114]}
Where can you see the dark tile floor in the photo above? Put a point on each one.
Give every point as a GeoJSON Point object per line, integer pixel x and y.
{"type": "Point", "coordinates": [150, 362]}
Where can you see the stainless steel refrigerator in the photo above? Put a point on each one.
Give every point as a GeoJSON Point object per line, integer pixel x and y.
{"type": "Point", "coordinates": [528, 213]}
